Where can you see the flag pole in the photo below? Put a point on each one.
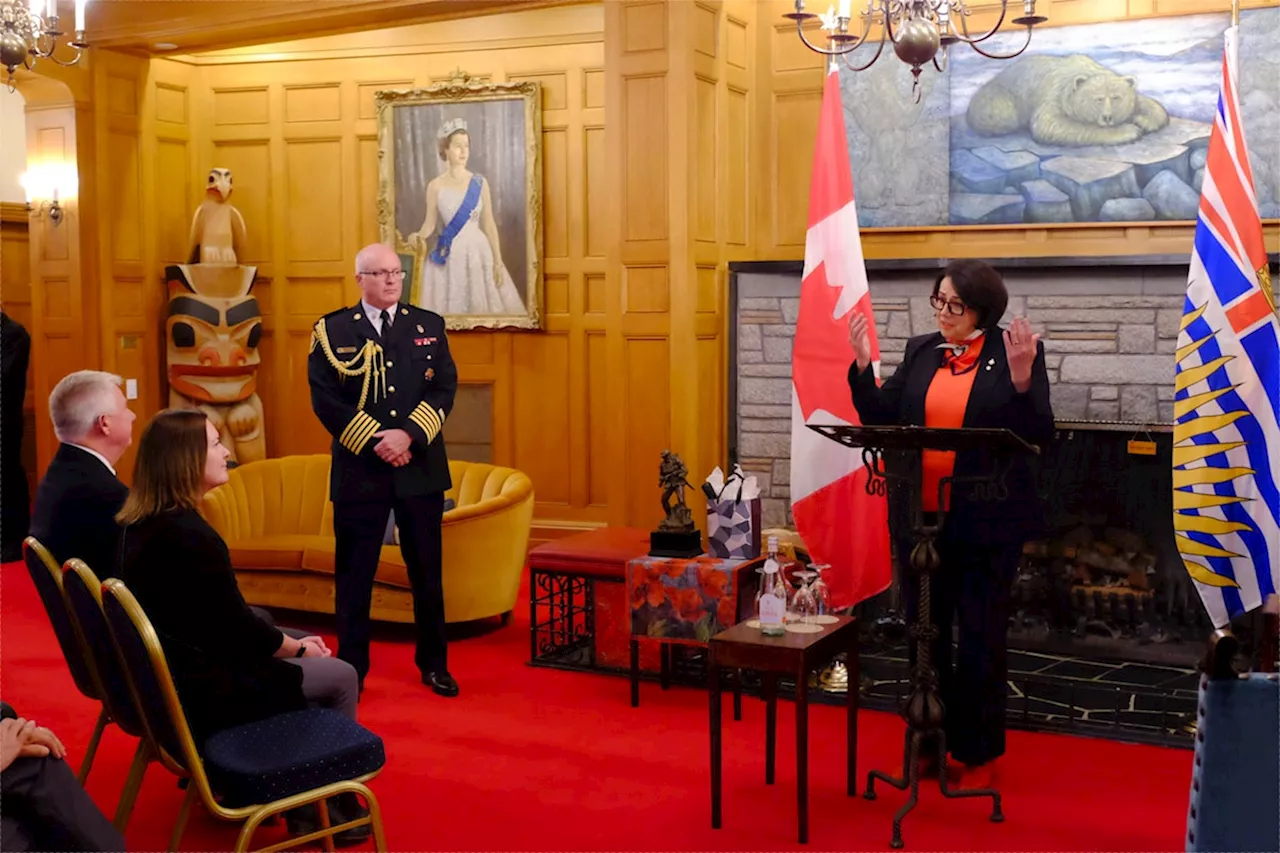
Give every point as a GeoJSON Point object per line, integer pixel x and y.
{"type": "Point", "coordinates": [1235, 13]}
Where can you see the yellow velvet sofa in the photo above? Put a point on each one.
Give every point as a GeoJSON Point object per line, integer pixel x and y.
{"type": "Point", "coordinates": [277, 520]}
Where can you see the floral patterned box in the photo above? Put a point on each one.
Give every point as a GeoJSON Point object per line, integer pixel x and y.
{"type": "Point", "coordinates": [689, 600]}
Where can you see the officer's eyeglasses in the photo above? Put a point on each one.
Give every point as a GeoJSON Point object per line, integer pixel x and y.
{"type": "Point", "coordinates": [953, 306]}
{"type": "Point", "coordinates": [392, 274]}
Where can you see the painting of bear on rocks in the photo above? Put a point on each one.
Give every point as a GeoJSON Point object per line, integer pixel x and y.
{"type": "Point", "coordinates": [1105, 122]}
{"type": "Point", "coordinates": [1064, 100]}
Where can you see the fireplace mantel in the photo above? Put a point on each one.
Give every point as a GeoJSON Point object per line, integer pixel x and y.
{"type": "Point", "coordinates": [795, 267]}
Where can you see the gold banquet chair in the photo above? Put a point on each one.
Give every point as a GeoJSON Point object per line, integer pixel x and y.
{"type": "Point", "coordinates": [83, 594]}
{"type": "Point", "coordinates": [47, 578]}
{"type": "Point", "coordinates": [252, 772]}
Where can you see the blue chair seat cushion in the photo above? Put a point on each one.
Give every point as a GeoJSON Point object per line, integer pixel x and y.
{"type": "Point", "coordinates": [287, 754]}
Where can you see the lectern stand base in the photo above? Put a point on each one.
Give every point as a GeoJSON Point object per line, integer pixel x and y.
{"type": "Point", "coordinates": [911, 779]}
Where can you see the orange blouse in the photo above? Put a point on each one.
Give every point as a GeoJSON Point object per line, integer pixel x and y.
{"type": "Point", "coordinates": [944, 407]}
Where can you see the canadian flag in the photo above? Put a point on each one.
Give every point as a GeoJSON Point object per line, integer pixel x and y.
{"type": "Point", "coordinates": [840, 523]}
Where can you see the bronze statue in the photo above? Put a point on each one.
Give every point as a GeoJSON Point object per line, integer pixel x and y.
{"type": "Point", "coordinates": [671, 476]}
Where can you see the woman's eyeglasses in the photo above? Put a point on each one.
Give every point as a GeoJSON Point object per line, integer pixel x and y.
{"type": "Point", "coordinates": [954, 306]}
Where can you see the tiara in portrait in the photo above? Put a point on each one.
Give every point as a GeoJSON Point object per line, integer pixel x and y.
{"type": "Point", "coordinates": [453, 124]}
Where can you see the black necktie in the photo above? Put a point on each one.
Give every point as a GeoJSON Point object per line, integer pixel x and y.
{"type": "Point", "coordinates": [386, 322]}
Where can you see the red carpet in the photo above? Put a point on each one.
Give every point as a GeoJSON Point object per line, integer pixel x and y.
{"type": "Point", "coordinates": [534, 759]}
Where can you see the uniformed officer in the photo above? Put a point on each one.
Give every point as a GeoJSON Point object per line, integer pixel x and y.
{"type": "Point", "coordinates": [383, 383]}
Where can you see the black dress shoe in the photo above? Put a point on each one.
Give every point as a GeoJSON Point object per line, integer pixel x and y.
{"type": "Point", "coordinates": [306, 819]}
{"type": "Point", "coordinates": [441, 682]}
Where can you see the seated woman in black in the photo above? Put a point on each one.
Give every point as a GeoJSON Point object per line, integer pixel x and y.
{"type": "Point", "coordinates": [967, 374]}
{"type": "Point", "coordinates": [230, 666]}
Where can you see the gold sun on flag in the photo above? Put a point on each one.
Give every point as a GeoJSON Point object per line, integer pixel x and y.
{"type": "Point", "coordinates": [1264, 282]}
{"type": "Point", "coordinates": [1187, 475]}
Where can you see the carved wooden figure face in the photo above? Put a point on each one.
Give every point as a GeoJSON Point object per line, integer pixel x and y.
{"type": "Point", "coordinates": [213, 344]}
{"type": "Point", "coordinates": [219, 183]}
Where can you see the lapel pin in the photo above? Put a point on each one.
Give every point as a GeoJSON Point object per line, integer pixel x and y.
{"type": "Point", "coordinates": [357, 317]}
{"type": "Point", "coordinates": [404, 312]}
{"type": "Point", "coordinates": [420, 329]}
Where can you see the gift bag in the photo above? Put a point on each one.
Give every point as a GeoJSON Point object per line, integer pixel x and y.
{"type": "Point", "coordinates": [733, 515]}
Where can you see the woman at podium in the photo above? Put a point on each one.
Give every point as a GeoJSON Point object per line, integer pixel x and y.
{"type": "Point", "coordinates": [972, 374]}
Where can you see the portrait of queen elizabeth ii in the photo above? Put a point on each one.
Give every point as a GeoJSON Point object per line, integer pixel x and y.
{"type": "Point", "coordinates": [461, 173]}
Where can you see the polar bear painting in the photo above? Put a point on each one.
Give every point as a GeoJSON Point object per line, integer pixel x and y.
{"type": "Point", "coordinates": [1064, 100]}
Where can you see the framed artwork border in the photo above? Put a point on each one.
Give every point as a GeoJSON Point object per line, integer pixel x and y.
{"type": "Point", "coordinates": [463, 89]}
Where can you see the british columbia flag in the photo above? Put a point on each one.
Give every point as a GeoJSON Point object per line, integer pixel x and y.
{"type": "Point", "coordinates": [1226, 453]}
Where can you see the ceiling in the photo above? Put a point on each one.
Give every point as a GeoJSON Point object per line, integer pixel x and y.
{"type": "Point", "coordinates": [195, 25]}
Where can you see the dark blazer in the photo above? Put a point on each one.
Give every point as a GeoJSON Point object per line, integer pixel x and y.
{"type": "Point", "coordinates": [994, 404]}
{"type": "Point", "coordinates": [75, 512]}
{"type": "Point", "coordinates": [219, 651]}
{"type": "Point", "coordinates": [417, 396]}
{"type": "Point", "coordinates": [15, 356]}
{"type": "Point", "coordinates": [15, 495]}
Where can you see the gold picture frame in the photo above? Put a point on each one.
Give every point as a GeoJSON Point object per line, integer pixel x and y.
{"type": "Point", "coordinates": [480, 263]}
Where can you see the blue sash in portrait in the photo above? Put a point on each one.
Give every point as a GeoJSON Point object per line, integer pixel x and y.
{"type": "Point", "coordinates": [441, 252]}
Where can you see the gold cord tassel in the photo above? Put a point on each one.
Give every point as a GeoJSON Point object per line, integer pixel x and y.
{"type": "Point", "coordinates": [371, 365]}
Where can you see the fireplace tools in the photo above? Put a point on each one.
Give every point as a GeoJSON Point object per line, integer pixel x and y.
{"type": "Point", "coordinates": [923, 709]}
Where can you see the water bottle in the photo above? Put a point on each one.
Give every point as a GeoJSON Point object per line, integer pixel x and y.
{"type": "Point", "coordinates": [771, 600]}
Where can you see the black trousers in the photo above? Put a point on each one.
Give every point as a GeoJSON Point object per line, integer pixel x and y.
{"type": "Point", "coordinates": [359, 528]}
{"type": "Point", "coordinates": [974, 585]}
{"type": "Point", "coordinates": [46, 809]}
{"type": "Point", "coordinates": [15, 508]}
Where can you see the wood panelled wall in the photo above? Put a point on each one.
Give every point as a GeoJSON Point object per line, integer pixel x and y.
{"type": "Point", "coordinates": [677, 137]}
{"type": "Point", "coordinates": [646, 192]}
{"type": "Point", "coordinates": [788, 125]}
{"type": "Point", "coordinates": [680, 87]}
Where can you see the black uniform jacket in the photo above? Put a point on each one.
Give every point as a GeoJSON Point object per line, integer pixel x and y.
{"type": "Point", "coordinates": [993, 404]}
{"type": "Point", "coordinates": [362, 383]}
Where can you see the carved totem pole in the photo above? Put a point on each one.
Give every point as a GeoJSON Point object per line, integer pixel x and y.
{"type": "Point", "coordinates": [214, 326]}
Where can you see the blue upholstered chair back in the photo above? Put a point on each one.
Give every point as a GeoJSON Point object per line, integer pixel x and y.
{"type": "Point", "coordinates": [1235, 783]}
{"type": "Point", "coordinates": [146, 668]}
{"type": "Point", "coordinates": [82, 592]}
{"type": "Point", "coordinates": [47, 577]}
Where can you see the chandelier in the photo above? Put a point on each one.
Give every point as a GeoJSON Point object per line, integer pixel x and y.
{"type": "Point", "coordinates": [29, 31]}
{"type": "Point", "coordinates": [920, 31]}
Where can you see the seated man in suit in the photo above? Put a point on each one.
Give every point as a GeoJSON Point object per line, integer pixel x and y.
{"type": "Point", "coordinates": [77, 501]}
{"type": "Point", "coordinates": [45, 808]}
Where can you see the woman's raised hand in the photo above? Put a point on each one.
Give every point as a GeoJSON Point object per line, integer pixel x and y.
{"type": "Point", "coordinates": [1020, 346]}
{"type": "Point", "coordinates": [860, 339]}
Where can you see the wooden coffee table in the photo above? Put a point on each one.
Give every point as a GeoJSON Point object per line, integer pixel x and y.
{"type": "Point", "coordinates": [744, 647]}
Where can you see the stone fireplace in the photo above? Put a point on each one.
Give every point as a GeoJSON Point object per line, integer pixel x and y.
{"type": "Point", "coordinates": [1109, 325]}
{"type": "Point", "coordinates": [1108, 627]}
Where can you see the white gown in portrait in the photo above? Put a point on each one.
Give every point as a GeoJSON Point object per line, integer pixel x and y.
{"type": "Point", "coordinates": [464, 283]}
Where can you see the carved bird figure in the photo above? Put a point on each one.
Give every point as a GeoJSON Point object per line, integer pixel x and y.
{"type": "Point", "coordinates": [217, 231]}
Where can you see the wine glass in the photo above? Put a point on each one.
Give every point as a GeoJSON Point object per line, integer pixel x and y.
{"type": "Point", "coordinates": [822, 595]}
{"type": "Point", "coordinates": [804, 606]}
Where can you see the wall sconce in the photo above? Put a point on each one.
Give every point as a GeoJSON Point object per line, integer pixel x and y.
{"type": "Point", "coordinates": [48, 186]}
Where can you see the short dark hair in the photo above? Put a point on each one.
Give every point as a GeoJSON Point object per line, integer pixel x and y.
{"type": "Point", "coordinates": [981, 288]}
